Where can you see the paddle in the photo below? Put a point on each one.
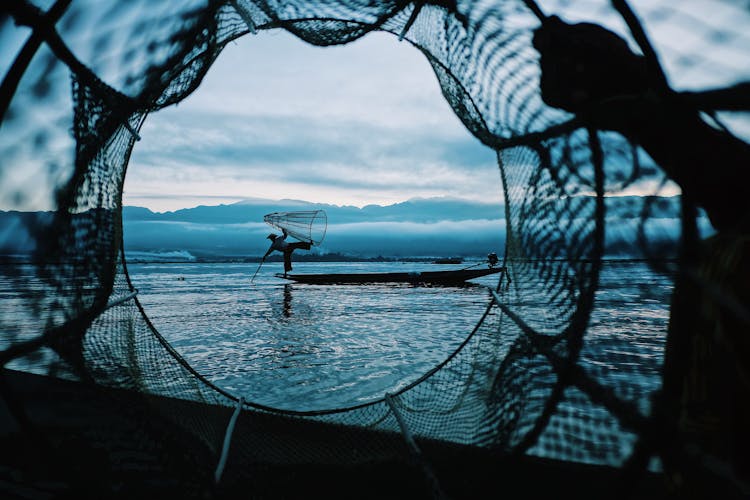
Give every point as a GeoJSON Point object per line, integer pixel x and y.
{"type": "Point", "coordinates": [256, 271]}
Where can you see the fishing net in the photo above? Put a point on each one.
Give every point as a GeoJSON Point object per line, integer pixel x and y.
{"type": "Point", "coordinates": [535, 378]}
{"type": "Point", "coordinates": [305, 225]}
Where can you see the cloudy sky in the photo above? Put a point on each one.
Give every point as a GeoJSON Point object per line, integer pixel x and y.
{"type": "Point", "coordinates": [359, 124]}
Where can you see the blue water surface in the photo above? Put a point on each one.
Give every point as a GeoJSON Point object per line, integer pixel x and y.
{"type": "Point", "coordinates": [305, 347]}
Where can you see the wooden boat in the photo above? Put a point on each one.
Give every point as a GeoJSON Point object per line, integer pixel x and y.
{"type": "Point", "coordinates": [416, 277]}
{"type": "Point", "coordinates": [83, 415]}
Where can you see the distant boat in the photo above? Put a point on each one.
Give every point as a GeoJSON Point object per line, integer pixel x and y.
{"type": "Point", "coordinates": [453, 277]}
{"type": "Point", "coordinates": [448, 260]}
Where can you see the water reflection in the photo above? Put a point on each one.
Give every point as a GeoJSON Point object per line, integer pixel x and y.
{"type": "Point", "coordinates": [287, 301]}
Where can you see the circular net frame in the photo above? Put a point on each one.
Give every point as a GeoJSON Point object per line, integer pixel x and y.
{"type": "Point", "coordinates": [528, 380]}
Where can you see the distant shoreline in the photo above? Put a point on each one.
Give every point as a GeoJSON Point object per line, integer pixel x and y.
{"type": "Point", "coordinates": [332, 257]}
{"type": "Point", "coordinates": [428, 260]}
{"type": "Point", "coordinates": [23, 259]}
{"type": "Point", "coordinates": [295, 258]}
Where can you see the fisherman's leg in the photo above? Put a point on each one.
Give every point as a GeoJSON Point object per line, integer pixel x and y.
{"type": "Point", "coordinates": [287, 261]}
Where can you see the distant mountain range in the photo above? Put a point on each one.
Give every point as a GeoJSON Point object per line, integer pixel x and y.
{"type": "Point", "coordinates": [419, 210]}
{"type": "Point", "coordinates": [437, 227]}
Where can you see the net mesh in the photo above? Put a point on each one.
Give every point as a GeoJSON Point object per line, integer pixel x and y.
{"type": "Point", "coordinates": [305, 225]}
{"type": "Point", "coordinates": [537, 376]}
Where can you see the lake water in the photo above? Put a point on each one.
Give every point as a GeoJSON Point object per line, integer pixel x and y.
{"type": "Point", "coordinates": [308, 347]}
{"type": "Point", "coordinates": [302, 347]}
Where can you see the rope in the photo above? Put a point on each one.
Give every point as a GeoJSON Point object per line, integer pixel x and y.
{"type": "Point", "coordinates": [534, 8]}
{"type": "Point", "coordinates": [44, 27]}
{"type": "Point", "coordinates": [416, 453]}
{"type": "Point", "coordinates": [658, 76]}
{"type": "Point", "coordinates": [227, 441]}
{"type": "Point", "coordinates": [132, 130]}
{"type": "Point", "coordinates": [245, 15]}
{"type": "Point", "coordinates": [23, 59]}
{"type": "Point", "coordinates": [119, 301]}
{"type": "Point", "coordinates": [404, 429]}
{"type": "Point", "coordinates": [473, 265]}
{"type": "Point", "coordinates": [412, 18]}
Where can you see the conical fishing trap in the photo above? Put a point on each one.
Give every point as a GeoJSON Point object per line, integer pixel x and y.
{"type": "Point", "coordinates": [125, 415]}
{"type": "Point", "coordinates": [305, 225]}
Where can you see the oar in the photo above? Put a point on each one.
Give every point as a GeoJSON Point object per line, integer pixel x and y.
{"type": "Point", "coordinates": [256, 271]}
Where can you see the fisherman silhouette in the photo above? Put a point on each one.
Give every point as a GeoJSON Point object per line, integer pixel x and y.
{"type": "Point", "coordinates": [705, 401]}
{"type": "Point", "coordinates": [280, 244]}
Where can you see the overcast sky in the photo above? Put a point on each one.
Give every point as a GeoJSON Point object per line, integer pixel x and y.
{"type": "Point", "coordinates": [277, 118]}
{"type": "Point", "coordinates": [355, 124]}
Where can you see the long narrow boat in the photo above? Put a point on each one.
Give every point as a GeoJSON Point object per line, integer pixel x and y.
{"type": "Point", "coordinates": [425, 277]}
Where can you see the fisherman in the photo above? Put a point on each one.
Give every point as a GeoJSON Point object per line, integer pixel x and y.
{"type": "Point", "coordinates": [280, 244]}
{"type": "Point", "coordinates": [705, 401]}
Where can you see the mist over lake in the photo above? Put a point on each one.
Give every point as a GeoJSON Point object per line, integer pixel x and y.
{"type": "Point", "coordinates": [416, 228]}
{"type": "Point", "coordinates": [434, 227]}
